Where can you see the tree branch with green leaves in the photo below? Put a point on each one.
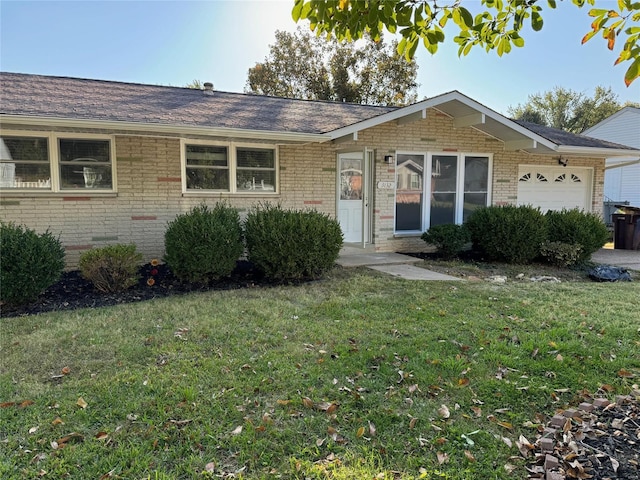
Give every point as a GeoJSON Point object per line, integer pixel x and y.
{"type": "Point", "coordinates": [497, 28]}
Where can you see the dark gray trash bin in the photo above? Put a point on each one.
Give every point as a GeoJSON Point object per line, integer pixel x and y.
{"type": "Point", "coordinates": [626, 228]}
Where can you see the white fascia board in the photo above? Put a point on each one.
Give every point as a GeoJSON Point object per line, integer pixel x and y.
{"type": "Point", "coordinates": [596, 151]}
{"type": "Point", "coordinates": [434, 102]}
{"type": "Point", "coordinates": [155, 128]}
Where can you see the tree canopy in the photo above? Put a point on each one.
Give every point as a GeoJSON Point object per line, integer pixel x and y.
{"type": "Point", "coordinates": [497, 27]}
{"type": "Point", "coordinates": [302, 65]}
{"type": "Point", "coordinates": [567, 109]}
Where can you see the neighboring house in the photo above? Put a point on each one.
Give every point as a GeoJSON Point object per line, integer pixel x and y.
{"type": "Point", "coordinates": [106, 162]}
{"type": "Point", "coordinates": [622, 174]}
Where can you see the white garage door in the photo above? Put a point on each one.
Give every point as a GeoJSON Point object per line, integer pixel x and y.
{"type": "Point", "coordinates": [554, 188]}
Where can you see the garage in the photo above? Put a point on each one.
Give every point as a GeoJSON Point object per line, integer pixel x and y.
{"type": "Point", "coordinates": [554, 188]}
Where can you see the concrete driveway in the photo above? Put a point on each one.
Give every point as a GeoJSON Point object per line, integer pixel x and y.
{"type": "Point", "coordinates": [620, 258]}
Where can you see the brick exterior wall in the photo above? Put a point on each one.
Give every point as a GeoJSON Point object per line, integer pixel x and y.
{"type": "Point", "coordinates": [149, 189]}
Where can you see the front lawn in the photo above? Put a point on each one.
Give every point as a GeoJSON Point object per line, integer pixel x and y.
{"type": "Point", "coordinates": [359, 375]}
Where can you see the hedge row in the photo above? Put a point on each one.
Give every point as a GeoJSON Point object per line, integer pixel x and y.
{"type": "Point", "coordinates": [523, 234]}
{"type": "Point", "coordinates": [201, 245]}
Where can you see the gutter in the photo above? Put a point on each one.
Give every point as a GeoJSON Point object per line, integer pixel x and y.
{"type": "Point", "coordinates": [43, 121]}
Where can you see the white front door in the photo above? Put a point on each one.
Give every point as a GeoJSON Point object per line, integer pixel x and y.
{"type": "Point", "coordinates": [351, 191]}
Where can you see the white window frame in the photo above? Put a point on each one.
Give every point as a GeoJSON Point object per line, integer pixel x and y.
{"type": "Point", "coordinates": [53, 147]}
{"type": "Point", "coordinates": [232, 167]}
{"type": "Point", "coordinates": [426, 187]}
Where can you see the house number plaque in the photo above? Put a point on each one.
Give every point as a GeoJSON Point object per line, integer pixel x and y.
{"type": "Point", "coordinates": [386, 185]}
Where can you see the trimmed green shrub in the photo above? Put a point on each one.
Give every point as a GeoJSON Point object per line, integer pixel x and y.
{"type": "Point", "coordinates": [113, 268]}
{"type": "Point", "coordinates": [508, 233]}
{"type": "Point", "coordinates": [449, 239]}
{"type": "Point", "coordinates": [204, 244]}
{"type": "Point", "coordinates": [291, 244]}
{"type": "Point", "coordinates": [561, 254]}
{"type": "Point", "coordinates": [576, 226]}
{"type": "Point", "coordinates": [30, 263]}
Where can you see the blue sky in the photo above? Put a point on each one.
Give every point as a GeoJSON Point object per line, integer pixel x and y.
{"type": "Point", "coordinates": [173, 43]}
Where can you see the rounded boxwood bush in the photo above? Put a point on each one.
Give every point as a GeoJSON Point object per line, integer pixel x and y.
{"type": "Point", "coordinates": [449, 239]}
{"type": "Point", "coordinates": [30, 263]}
{"type": "Point", "coordinates": [291, 244]}
{"type": "Point", "coordinates": [577, 227]}
{"type": "Point", "coordinates": [508, 233]}
{"type": "Point", "coordinates": [204, 244]}
{"type": "Point", "coordinates": [113, 268]}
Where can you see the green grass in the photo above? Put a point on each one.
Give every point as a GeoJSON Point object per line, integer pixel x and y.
{"type": "Point", "coordinates": [305, 370]}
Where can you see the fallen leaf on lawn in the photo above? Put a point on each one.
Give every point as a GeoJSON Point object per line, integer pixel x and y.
{"type": "Point", "coordinates": [505, 425]}
{"type": "Point", "coordinates": [524, 446]}
{"type": "Point", "coordinates": [283, 402]}
{"type": "Point", "coordinates": [102, 436]}
{"type": "Point", "coordinates": [360, 432]}
{"type": "Point", "coordinates": [237, 430]}
{"type": "Point", "coordinates": [320, 442]}
{"type": "Point", "coordinates": [307, 402]}
{"type": "Point", "coordinates": [413, 388]}
{"type": "Point", "coordinates": [553, 344]}
{"type": "Point", "coordinates": [509, 468]}
{"type": "Point", "coordinates": [328, 407]}
{"type": "Point", "coordinates": [131, 417]}
{"type": "Point", "coordinates": [180, 423]}
{"type": "Point", "coordinates": [210, 467]}
{"type": "Point", "coordinates": [81, 403]}
{"type": "Point", "coordinates": [441, 440]}
{"type": "Point", "coordinates": [25, 403]}
{"type": "Point", "coordinates": [559, 358]}
{"type": "Point", "coordinates": [442, 458]}
{"type": "Point", "coordinates": [469, 456]}
{"type": "Point", "coordinates": [534, 354]}
{"type": "Point", "coordinates": [42, 473]}
{"type": "Point", "coordinates": [72, 437]}
{"type": "Point", "coordinates": [109, 474]}
{"type": "Point", "coordinates": [463, 382]}
{"type": "Point", "coordinates": [625, 373]}
{"type": "Point", "coordinates": [372, 429]}
{"type": "Point", "coordinates": [57, 421]}
{"type": "Point", "coordinates": [7, 404]}
{"type": "Point", "coordinates": [477, 411]}
{"type": "Point", "coordinates": [507, 441]}
{"type": "Point", "coordinates": [33, 430]}
{"type": "Point", "coordinates": [606, 387]}
{"type": "Point", "coordinates": [412, 423]}
{"type": "Point", "coordinates": [54, 445]}
{"type": "Point", "coordinates": [66, 371]}
{"type": "Point", "coordinates": [444, 412]}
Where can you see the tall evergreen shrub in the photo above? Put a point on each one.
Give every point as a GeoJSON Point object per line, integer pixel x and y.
{"type": "Point", "coordinates": [291, 244]}
{"type": "Point", "coordinates": [508, 233]}
{"type": "Point", "coordinates": [204, 244]}
{"type": "Point", "coordinates": [30, 263]}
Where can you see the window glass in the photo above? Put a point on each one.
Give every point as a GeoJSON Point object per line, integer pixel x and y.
{"type": "Point", "coordinates": [444, 174]}
{"type": "Point", "coordinates": [24, 162]}
{"type": "Point", "coordinates": [207, 167]}
{"type": "Point", "coordinates": [255, 169]}
{"type": "Point", "coordinates": [350, 178]}
{"type": "Point", "coordinates": [476, 184]}
{"type": "Point", "coordinates": [409, 193]}
{"type": "Point", "coordinates": [85, 164]}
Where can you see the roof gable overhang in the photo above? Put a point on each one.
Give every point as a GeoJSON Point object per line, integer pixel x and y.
{"type": "Point", "coordinates": [466, 112]}
{"type": "Point", "coordinates": [156, 129]}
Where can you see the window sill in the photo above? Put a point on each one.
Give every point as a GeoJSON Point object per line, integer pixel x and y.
{"type": "Point", "coordinates": [407, 235]}
{"type": "Point", "coordinates": [231, 195]}
{"type": "Point", "coordinates": [49, 194]}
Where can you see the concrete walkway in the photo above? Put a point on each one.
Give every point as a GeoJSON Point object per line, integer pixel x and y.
{"type": "Point", "coordinates": [620, 258]}
{"type": "Point", "coordinates": [395, 264]}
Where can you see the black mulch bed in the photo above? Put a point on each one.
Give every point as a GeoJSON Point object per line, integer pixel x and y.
{"type": "Point", "coordinates": [72, 291]}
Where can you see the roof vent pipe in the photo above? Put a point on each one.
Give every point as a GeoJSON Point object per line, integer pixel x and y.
{"type": "Point", "coordinates": [208, 88]}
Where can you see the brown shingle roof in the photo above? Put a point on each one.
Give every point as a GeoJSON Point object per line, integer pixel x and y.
{"type": "Point", "coordinates": [82, 99]}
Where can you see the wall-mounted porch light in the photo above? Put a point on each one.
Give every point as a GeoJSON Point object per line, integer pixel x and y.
{"type": "Point", "coordinates": [388, 159]}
